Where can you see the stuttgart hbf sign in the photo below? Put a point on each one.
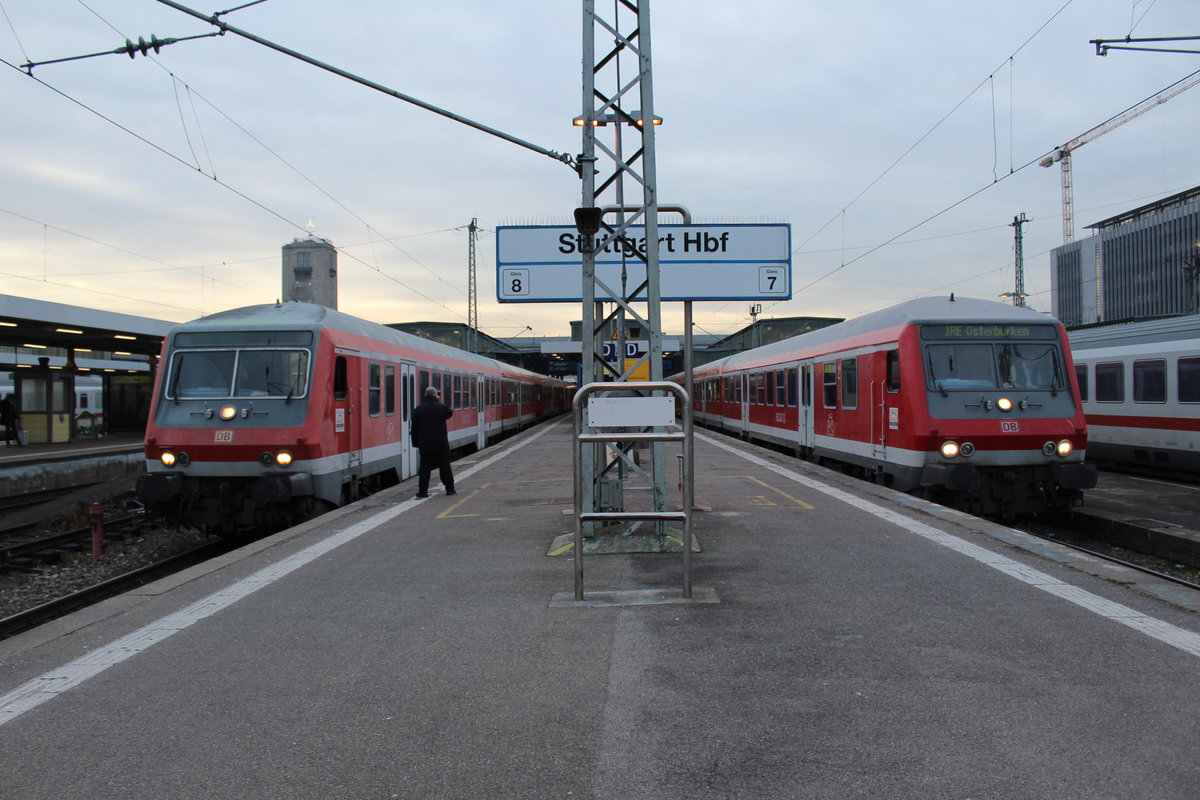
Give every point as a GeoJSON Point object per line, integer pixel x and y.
{"type": "Point", "coordinates": [542, 263]}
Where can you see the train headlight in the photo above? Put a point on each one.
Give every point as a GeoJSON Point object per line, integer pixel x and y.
{"type": "Point", "coordinates": [283, 458]}
{"type": "Point", "coordinates": [967, 450]}
{"type": "Point", "coordinates": [1004, 404]}
{"type": "Point", "coordinates": [167, 458]}
{"type": "Point", "coordinates": [1049, 448]}
{"type": "Point", "coordinates": [949, 449]}
{"type": "Point", "coordinates": [266, 459]}
{"type": "Point", "coordinates": [228, 413]}
{"type": "Point", "coordinates": [1065, 448]}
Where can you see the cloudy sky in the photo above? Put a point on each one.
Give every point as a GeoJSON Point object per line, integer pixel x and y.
{"type": "Point", "coordinates": [894, 137]}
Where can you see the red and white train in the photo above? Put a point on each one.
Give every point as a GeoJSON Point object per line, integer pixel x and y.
{"type": "Point", "coordinates": [267, 415]}
{"type": "Point", "coordinates": [1140, 384]}
{"type": "Point", "coordinates": [970, 402]}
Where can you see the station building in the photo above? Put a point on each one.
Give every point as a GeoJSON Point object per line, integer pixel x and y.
{"type": "Point", "coordinates": [1140, 264]}
{"type": "Point", "coordinates": [76, 372]}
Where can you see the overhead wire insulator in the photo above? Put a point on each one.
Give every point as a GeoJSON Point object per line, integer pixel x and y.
{"type": "Point", "coordinates": [143, 46]}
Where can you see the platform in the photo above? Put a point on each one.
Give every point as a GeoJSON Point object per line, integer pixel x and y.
{"type": "Point", "coordinates": [38, 467]}
{"type": "Point", "coordinates": [853, 643]}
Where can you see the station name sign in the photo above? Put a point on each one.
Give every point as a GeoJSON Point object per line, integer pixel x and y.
{"type": "Point", "coordinates": [543, 263]}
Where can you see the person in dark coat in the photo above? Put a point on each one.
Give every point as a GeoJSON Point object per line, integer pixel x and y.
{"type": "Point", "coordinates": [9, 419]}
{"type": "Point", "coordinates": [429, 435]}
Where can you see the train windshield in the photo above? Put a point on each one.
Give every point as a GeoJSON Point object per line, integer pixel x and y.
{"type": "Point", "coordinates": [238, 373]}
{"type": "Point", "coordinates": [978, 366]}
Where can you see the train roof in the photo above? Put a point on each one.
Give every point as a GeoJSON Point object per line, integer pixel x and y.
{"type": "Point", "coordinates": [919, 311]}
{"type": "Point", "coordinates": [294, 315]}
{"type": "Point", "coordinates": [1171, 329]}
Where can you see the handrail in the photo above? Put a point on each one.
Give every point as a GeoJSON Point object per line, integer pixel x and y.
{"type": "Point", "coordinates": [684, 436]}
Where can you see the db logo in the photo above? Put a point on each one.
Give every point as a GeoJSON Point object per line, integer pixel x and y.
{"type": "Point", "coordinates": [223, 436]}
{"type": "Point", "coordinates": [1006, 426]}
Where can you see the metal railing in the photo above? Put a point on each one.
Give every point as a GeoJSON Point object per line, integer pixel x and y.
{"type": "Point", "coordinates": [684, 436]}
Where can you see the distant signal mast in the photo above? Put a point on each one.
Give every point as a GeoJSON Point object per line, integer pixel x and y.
{"type": "Point", "coordinates": [1062, 155]}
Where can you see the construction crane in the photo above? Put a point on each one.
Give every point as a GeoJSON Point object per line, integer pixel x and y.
{"type": "Point", "coordinates": [1062, 155]}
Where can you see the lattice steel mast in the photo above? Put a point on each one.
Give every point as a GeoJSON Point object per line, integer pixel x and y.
{"type": "Point", "coordinates": [608, 107]}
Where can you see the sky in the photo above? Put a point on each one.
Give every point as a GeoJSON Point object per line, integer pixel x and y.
{"type": "Point", "coordinates": [899, 140]}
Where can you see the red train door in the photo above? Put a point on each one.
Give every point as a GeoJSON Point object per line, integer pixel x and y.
{"type": "Point", "coordinates": [408, 394]}
{"type": "Point", "coordinates": [480, 407]}
{"type": "Point", "coordinates": [806, 407]}
{"type": "Point", "coordinates": [347, 386]}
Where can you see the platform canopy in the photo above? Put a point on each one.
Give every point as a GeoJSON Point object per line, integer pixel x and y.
{"type": "Point", "coordinates": [37, 322]}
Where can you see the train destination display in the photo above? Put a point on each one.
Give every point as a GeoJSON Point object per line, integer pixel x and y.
{"type": "Point", "coordinates": [543, 263]}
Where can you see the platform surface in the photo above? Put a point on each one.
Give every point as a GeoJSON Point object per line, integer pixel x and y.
{"type": "Point", "coordinates": [852, 643]}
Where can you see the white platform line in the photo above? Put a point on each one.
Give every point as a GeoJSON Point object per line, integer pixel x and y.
{"type": "Point", "coordinates": [55, 682]}
{"type": "Point", "coordinates": [1177, 637]}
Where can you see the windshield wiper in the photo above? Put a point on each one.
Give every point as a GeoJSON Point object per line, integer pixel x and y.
{"type": "Point", "coordinates": [933, 374]}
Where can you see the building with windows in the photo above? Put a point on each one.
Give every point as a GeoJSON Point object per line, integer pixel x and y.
{"type": "Point", "coordinates": [1141, 264]}
{"type": "Point", "coordinates": [310, 272]}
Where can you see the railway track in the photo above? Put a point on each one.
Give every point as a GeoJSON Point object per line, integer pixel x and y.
{"type": "Point", "coordinates": [1183, 574]}
{"type": "Point", "coordinates": [61, 606]}
{"type": "Point", "coordinates": [17, 544]}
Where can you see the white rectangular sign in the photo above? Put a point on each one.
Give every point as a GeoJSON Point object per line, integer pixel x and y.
{"type": "Point", "coordinates": [542, 263]}
{"type": "Point", "coordinates": [630, 412]}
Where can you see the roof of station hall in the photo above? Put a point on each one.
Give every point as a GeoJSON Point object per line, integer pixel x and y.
{"type": "Point", "coordinates": [23, 320]}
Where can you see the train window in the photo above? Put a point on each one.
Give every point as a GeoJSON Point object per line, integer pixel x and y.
{"type": "Point", "coordinates": [1189, 380]}
{"type": "Point", "coordinates": [422, 383]}
{"type": "Point", "coordinates": [791, 387]}
{"type": "Point", "coordinates": [1081, 377]}
{"type": "Point", "coordinates": [893, 371]}
{"type": "Point", "coordinates": [406, 395]}
{"type": "Point", "coordinates": [849, 383]}
{"type": "Point", "coordinates": [829, 371]}
{"type": "Point", "coordinates": [960, 366]}
{"type": "Point", "coordinates": [201, 374]}
{"type": "Point", "coordinates": [271, 373]}
{"type": "Point", "coordinates": [1150, 381]}
{"type": "Point", "coordinates": [806, 385]}
{"type": "Point", "coordinates": [771, 388]}
{"type": "Point", "coordinates": [1110, 383]}
{"type": "Point", "coordinates": [340, 384]}
{"type": "Point", "coordinates": [780, 388]}
{"type": "Point", "coordinates": [373, 389]}
{"type": "Point", "coordinates": [389, 390]}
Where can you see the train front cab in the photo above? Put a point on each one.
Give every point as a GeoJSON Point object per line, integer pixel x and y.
{"type": "Point", "coordinates": [1005, 431]}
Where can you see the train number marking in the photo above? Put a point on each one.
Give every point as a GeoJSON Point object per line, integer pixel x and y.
{"type": "Point", "coordinates": [1010, 426]}
{"type": "Point", "coordinates": [223, 437]}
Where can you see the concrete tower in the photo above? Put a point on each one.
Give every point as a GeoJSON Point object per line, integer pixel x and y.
{"type": "Point", "coordinates": [310, 272]}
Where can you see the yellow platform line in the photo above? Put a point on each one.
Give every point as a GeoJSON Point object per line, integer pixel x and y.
{"type": "Point", "coordinates": [780, 492]}
{"type": "Point", "coordinates": [447, 513]}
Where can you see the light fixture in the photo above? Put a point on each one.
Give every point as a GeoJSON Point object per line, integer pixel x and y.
{"type": "Point", "coordinates": [167, 458]}
{"type": "Point", "coordinates": [35, 346]}
{"type": "Point", "coordinates": [8, 324]}
{"type": "Point", "coordinates": [123, 336]}
{"type": "Point", "coordinates": [949, 449]}
{"type": "Point", "coordinates": [1065, 447]}
{"type": "Point", "coordinates": [1004, 404]}
{"type": "Point", "coordinates": [228, 413]}
{"type": "Point", "coordinates": [283, 458]}
{"type": "Point", "coordinates": [66, 330]}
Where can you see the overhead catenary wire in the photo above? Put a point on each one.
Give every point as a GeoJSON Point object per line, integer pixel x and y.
{"type": "Point", "coordinates": [936, 125]}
